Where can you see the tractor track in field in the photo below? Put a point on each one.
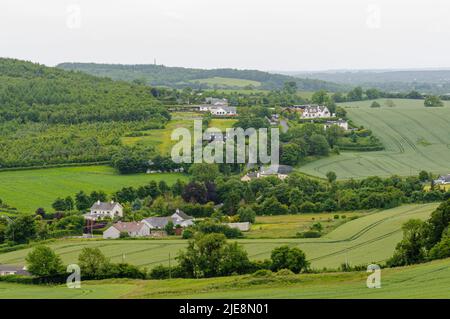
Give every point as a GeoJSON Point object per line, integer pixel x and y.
{"type": "Point", "coordinates": [355, 236]}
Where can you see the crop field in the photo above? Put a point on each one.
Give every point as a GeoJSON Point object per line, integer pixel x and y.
{"type": "Point", "coordinates": [221, 81]}
{"type": "Point", "coordinates": [371, 238]}
{"type": "Point", "coordinates": [430, 280]}
{"type": "Point", "coordinates": [287, 226]}
{"type": "Point", "coordinates": [29, 189]}
{"type": "Point", "coordinates": [415, 138]}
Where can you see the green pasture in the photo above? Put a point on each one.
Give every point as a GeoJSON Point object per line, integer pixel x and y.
{"type": "Point", "coordinates": [415, 138]}
{"type": "Point", "coordinates": [29, 189]}
{"type": "Point", "coordinates": [222, 124]}
{"type": "Point", "coordinates": [371, 238]}
{"type": "Point", "coordinates": [430, 280]}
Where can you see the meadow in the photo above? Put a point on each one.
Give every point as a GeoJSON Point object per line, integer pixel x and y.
{"type": "Point", "coordinates": [430, 280]}
{"type": "Point", "coordinates": [29, 189]}
{"type": "Point", "coordinates": [287, 226]}
{"type": "Point", "coordinates": [415, 138]}
{"type": "Point", "coordinates": [371, 238]}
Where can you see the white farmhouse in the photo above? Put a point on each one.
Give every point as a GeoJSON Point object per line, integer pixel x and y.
{"type": "Point", "coordinates": [178, 218]}
{"type": "Point", "coordinates": [100, 210]}
{"type": "Point", "coordinates": [313, 112]}
{"type": "Point", "coordinates": [219, 110]}
{"type": "Point", "coordinates": [133, 229]}
{"type": "Point", "coordinates": [341, 123]}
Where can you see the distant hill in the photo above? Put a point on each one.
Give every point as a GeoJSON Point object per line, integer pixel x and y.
{"type": "Point", "coordinates": [424, 81]}
{"type": "Point", "coordinates": [178, 77]}
{"type": "Point", "coordinates": [31, 92]}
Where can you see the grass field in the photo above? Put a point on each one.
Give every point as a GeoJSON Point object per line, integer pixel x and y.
{"type": "Point", "coordinates": [287, 226]}
{"type": "Point", "coordinates": [222, 124]}
{"type": "Point", "coordinates": [161, 138]}
{"type": "Point", "coordinates": [430, 280]}
{"type": "Point", "coordinates": [415, 138]}
{"type": "Point", "coordinates": [29, 189]}
{"type": "Point", "coordinates": [221, 81]}
{"type": "Point", "coordinates": [367, 239]}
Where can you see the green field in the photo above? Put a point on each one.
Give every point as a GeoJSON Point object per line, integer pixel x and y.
{"type": "Point", "coordinates": [221, 81]}
{"type": "Point", "coordinates": [287, 226]}
{"type": "Point", "coordinates": [430, 280]}
{"type": "Point", "coordinates": [367, 239]}
{"type": "Point", "coordinates": [415, 138]}
{"type": "Point", "coordinates": [161, 138]}
{"type": "Point", "coordinates": [29, 189]}
{"type": "Point", "coordinates": [222, 124]}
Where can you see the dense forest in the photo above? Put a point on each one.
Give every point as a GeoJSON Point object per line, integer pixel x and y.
{"type": "Point", "coordinates": [52, 116]}
{"type": "Point", "coordinates": [177, 77]}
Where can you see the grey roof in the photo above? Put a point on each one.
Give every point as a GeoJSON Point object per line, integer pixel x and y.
{"type": "Point", "coordinates": [183, 215]}
{"type": "Point", "coordinates": [445, 178]}
{"type": "Point", "coordinates": [17, 269]}
{"type": "Point", "coordinates": [128, 226]}
{"type": "Point", "coordinates": [159, 222]}
{"type": "Point", "coordinates": [104, 205]}
{"type": "Point", "coordinates": [276, 169]}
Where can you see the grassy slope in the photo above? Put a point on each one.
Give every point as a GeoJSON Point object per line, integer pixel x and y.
{"type": "Point", "coordinates": [416, 138]}
{"type": "Point", "coordinates": [30, 189]}
{"type": "Point", "coordinates": [368, 239]}
{"type": "Point", "coordinates": [429, 280]}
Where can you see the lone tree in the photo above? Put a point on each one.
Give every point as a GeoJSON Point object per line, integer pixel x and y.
{"type": "Point", "coordinates": [288, 258]}
{"type": "Point", "coordinates": [43, 262]}
{"type": "Point", "coordinates": [433, 101]}
{"type": "Point", "coordinates": [331, 176]}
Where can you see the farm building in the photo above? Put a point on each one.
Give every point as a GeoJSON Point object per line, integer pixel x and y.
{"type": "Point", "coordinates": [241, 226]}
{"type": "Point", "coordinates": [311, 111]}
{"type": "Point", "coordinates": [6, 270]}
{"type": "Point", "coordinates": [219, 110]}
{"type": "Point", "coordinates": [133, 229]}
{"type": "Point", "coordinates": [178, 218]}
{"type": "Point", "coordinates": [341, 123]}
{"type": "Point", "coordinates": [280, 171]}
{"type": "Point", "coordinates": [443, 180]}
{"type": "Point", "coordinates": [100, 210]}
{"type": "Point", "coordinates": [216, 101]}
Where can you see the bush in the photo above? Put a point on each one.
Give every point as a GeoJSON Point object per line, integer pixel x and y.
{"type": "Point", "coordinates": [309, 234]}
{"type": "Point", "coordinates": [188, 233]}
{"type": "Point", "coordinates": [263, 273]}
{"type": "Point", "coordinates": [209, 227]}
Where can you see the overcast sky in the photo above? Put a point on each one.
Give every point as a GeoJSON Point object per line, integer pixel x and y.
{"type": "Point", "coordinates": [256, 34]}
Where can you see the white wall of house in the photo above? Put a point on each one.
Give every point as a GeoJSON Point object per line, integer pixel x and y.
{"type": "Point", "coordinates": [111, 232]}
{"type": "Point", "coordinates": [116, 211]}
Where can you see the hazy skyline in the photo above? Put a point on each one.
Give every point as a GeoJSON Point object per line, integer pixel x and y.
{"type": "Point", "coordinates": [284, 35]}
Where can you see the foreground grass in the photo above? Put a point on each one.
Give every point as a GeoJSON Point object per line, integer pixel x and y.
{"type": "Point", "coordinates": [29, 189]}
{"type": "Point", "coordinates": [415, 138]}
{"type": "Point", "coordinates": [430, 280]}
{"type": "Point", "coordinates": [367, 239]}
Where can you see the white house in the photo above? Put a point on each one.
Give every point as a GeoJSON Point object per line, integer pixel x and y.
{"type": "Point", "coordinates": [219, 110]}
{"type": "Point", "coordinates": [100, 210]}
{"type": "Point", "coordinates": [178, 218]}
{"type": "Point", "coordinates": [133, 229]}
{"type": "Point", "coordinates": [7, 270]}
{"type": "Point", "coordinates": [341, 123]}
{"type": "Point", "coordinates": [216, 101]}
{"type": "Point", "coordinates": [312, 112]}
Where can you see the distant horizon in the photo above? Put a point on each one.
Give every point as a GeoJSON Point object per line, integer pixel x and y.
{"type": "Point", "coordinates": [281, 71]}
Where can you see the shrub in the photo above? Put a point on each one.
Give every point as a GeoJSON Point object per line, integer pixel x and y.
{"type": "Point", "coordinates": [263, 273]}
{"type": "Point", "coordinates": [309, 234]}
{"type": "Point", "coordinates": [284, 272]}
{"type": "Point", "coordinates": [43, 262]}
{"type": "Point", "coordinates": [188, 233]}
{"type": "Point", "coordinates": [290, 258]}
